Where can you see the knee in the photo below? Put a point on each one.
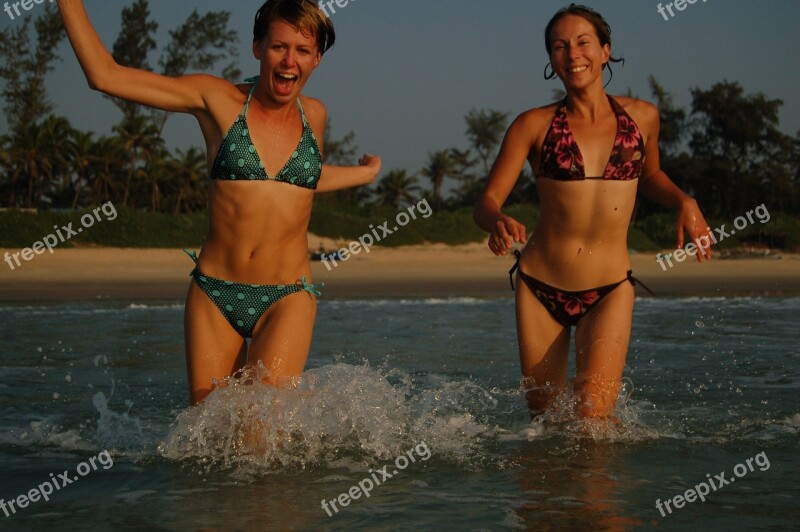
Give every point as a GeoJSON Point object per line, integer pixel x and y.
{"type": "Point", "coordinates": [197, 396]}
{"type": "Point", "coordinates": [596, 395]}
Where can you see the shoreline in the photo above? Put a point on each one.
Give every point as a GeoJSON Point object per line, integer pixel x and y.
{"type": "Point", "coordinates": [434, 270]}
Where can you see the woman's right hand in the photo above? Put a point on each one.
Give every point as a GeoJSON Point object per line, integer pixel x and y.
{"type": "Point", "coordinates": [505, 231]}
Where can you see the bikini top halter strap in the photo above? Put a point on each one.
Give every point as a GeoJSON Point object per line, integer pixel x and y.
{"type": "Point", "coordinates": [254, 81]}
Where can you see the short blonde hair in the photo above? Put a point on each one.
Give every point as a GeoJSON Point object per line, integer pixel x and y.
{"type": "Point", "coordinates": [302, 14]}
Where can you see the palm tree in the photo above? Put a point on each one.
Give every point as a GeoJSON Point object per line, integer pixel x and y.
{"type": "Point", "coordinates": [138, 138]}
{"type": "Point", "coordinates": [440, 166]}
{"type": "Point", "coordinates": [397, 189]}
{"type": "Point", "coordinates": [5, 166]}
{"type": "Point", "coordinates": [188, 182]}
{"type": "Point", "coordinates": [108, 162]}
{"type": "Point", "coordinates": [463, 171]}
{"type": "Point", "coordinates": [81, 158]}
{"type": "Point", "coordinates": [485, 129]}
{"type": "Point", "coordinates": [29, 162]}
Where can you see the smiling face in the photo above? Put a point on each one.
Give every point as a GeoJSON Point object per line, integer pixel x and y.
{"type": "Point", "coordinates": [576, 53]}
{"type": "Point", "coordinates": [288, 57]}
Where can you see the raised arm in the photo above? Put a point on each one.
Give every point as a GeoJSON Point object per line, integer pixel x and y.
{"type": "Point", "coordinates": [657, 186]}
{"type": "Point", "coordinates": [184, 94]}
{"type": "Point", "coordinates": [503, 229]}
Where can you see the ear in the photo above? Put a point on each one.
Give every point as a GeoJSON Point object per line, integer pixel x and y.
{"type": "Point", "coordinates": [606, 53]}
{"type": "Point", "coordinates": [257, 49]}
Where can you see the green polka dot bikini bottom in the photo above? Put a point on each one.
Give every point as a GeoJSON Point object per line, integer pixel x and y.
{"type": "Point", "coordinates": [244, 304]}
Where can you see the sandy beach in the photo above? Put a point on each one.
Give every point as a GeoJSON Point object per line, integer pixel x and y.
{"type": "Point", "coordinates": [433, 270]}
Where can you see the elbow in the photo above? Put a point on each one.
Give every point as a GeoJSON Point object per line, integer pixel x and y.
{"type": "Point", "coordinates": [95, 84]}
{"type": "Point", "coordinates": [100, 77]}
{"type": "Point", "coordinates": [98, 82]}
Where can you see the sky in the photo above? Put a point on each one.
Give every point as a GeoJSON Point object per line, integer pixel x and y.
{"type": "Point", "coordinates": [404, 73]}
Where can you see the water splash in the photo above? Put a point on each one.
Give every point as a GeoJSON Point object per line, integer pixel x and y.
{"type": "Point", "coordinates": [334, 416]}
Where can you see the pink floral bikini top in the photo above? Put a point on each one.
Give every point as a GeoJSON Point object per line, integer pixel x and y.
{"type": "Point", "coordinates": [562, 159]}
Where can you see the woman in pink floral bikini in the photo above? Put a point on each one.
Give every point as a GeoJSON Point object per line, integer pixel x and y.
{"type": "Point", "coordinates": [587, 200]}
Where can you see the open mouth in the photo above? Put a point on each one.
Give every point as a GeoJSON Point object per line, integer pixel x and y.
{"type": "Point", "coordinates": [578, 70]}
{"type": "Point", "coordinates": [285, 82]}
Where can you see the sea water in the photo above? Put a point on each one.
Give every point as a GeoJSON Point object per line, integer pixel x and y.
{"type": "Point", "coordinates": [424, 391]}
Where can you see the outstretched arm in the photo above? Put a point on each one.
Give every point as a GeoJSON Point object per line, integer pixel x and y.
{"type": "Point", "coordinates": [184, 94]}
{"type": "Point", "coordinates": [338, 177]}
{"type": "Point", "coordinates": [657, 186]}
{"type": "Point", "coordinates": [342, 177]}
{"type": "Point", "coordinates": [503, 229]}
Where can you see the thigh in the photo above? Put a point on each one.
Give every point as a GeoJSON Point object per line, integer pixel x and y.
{"type": "Point", "coordinates": [214, 350]}
{"type": "Point", "coordinates": [601, 345]}
{"type": "Point", "coordinates": [543, 342]}
{"type": "Point", "coordinates": [282, 337]}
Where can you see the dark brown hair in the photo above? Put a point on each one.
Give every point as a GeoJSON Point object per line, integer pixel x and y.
{"type": "Point", "coordinates": [302, 14]}
{"type": "Point", "coordinates": [601, 27]}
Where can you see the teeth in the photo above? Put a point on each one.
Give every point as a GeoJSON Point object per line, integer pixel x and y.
{"type": "Point", "coordinates": [578, 69]}
{"type": "Point", "coordinates": [287, 76]}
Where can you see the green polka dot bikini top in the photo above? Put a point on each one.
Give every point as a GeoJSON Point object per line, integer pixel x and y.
{"type": "Point", "coordinates": [238, 159]}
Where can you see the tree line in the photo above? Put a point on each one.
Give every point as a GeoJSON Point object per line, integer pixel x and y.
{"type": "Point", "coordinates": [727, 150]}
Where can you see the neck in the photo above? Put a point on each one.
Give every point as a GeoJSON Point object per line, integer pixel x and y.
{"type": "Point", "coordinates": [588, 104]}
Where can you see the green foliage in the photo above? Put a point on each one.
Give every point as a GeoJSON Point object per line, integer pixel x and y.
{"type": "Point", "coordinates": [136, 229]}
{"type": "Point", "coordinates": [449, 227]}
{"type": "Point", "coordinates": [25, 65]}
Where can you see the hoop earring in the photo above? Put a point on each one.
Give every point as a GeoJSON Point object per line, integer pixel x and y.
{"type": "Point", "coordinates": [552, 73]}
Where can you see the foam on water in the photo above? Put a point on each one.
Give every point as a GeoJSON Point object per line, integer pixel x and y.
{"type": "Point", "coordinates": [344, 415]}
{"type": "Point", "coordinates": [336, 415]}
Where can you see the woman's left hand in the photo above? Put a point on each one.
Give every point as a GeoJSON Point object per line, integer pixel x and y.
{"type": "Point", "coordinates": [691, 220]}
{"type": "Point", "coordinates": [373, 162]}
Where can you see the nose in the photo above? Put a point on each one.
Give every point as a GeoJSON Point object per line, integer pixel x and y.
{"type": "Point", "coordinates": [574, 51]}
{"type": "Point", "coordinates": [289, 58]}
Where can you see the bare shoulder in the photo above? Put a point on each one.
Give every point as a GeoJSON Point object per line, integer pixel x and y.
{"type": "Point", "coordinates": [315, 110]}
{"type": "Point", "coordinates": [535, 121]}
{"type": "Point", "coordinates": [538, 116]}
{"type": "Point", "coordinates": [533, 124]}
{"type": "Point", "coordinates": [642, 111]}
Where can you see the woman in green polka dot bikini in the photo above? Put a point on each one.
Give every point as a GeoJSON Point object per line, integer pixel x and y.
{"type": "Point", "coordinates": [252, 278]}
